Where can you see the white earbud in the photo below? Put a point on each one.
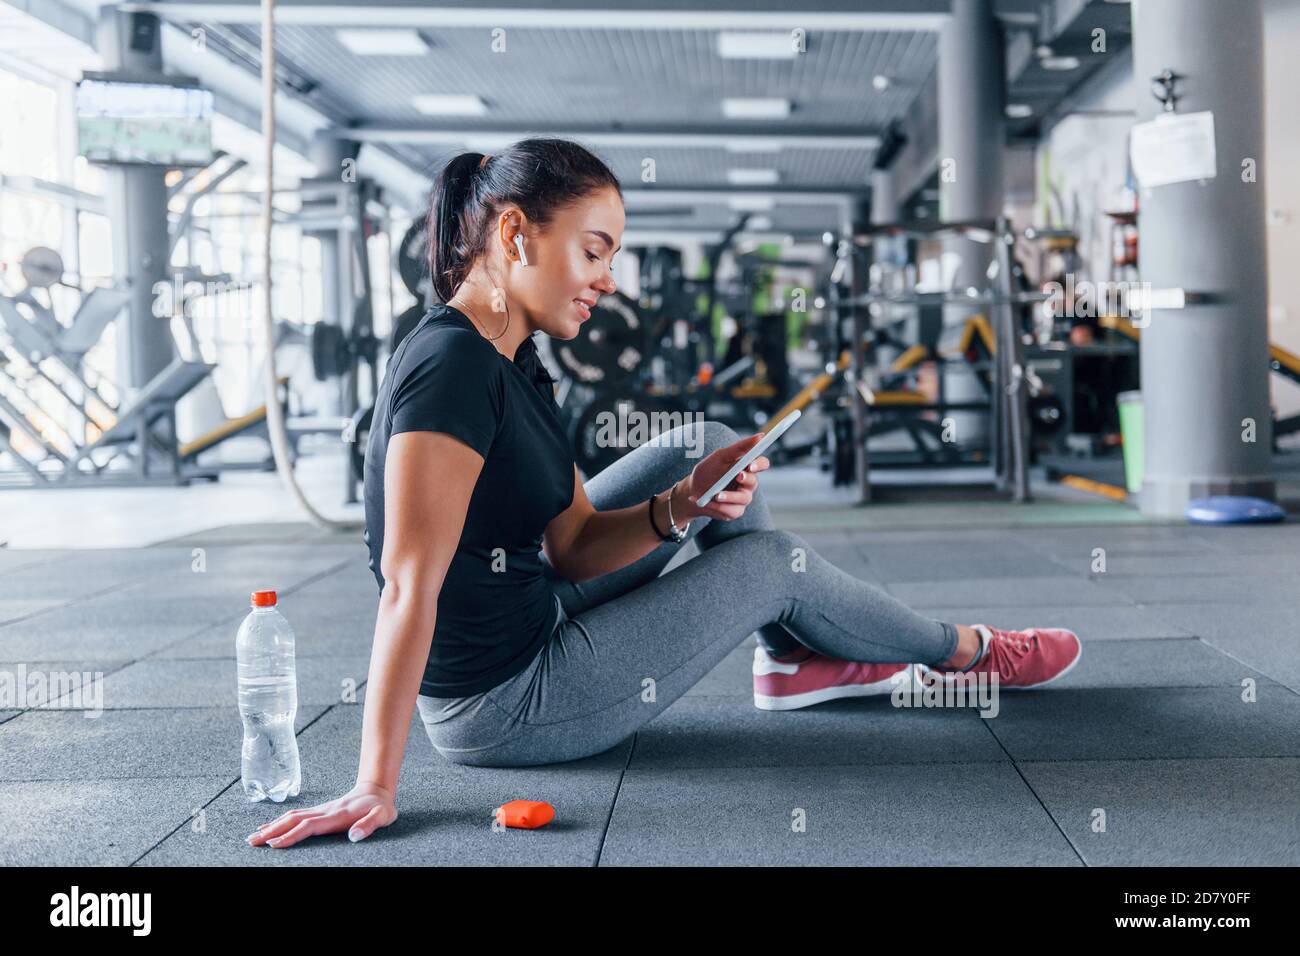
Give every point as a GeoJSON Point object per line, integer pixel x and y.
{"type": "Point", "coordinates": [519, 244]}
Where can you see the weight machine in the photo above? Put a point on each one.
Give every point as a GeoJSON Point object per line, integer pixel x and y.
{"type": "Point", "coordinates": [90, 437]}
{"type": "Point", "coordinates": [340, 348]}
{"type": "Point", "coordinates": [883, 398]}
{"type": "Point", "coordinates": [43, 361]}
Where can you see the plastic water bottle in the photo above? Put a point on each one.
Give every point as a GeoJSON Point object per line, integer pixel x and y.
{"type": "Point", "coordinates": [268, 702]}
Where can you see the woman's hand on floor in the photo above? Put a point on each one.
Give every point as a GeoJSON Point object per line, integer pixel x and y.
{"type": "Point", "coordinates": [361, 811]}
{"type": "Point", "coordinates": [730, 503]}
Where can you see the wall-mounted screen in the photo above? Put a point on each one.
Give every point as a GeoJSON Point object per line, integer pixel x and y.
{"type": "Point", "coordinates": [128, 121]}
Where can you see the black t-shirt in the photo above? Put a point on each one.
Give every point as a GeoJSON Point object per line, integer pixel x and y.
{"type": "Point", "coordinates": [495, 609]}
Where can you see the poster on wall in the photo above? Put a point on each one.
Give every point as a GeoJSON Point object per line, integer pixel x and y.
{"type": "Point", "coordinates": [1173, 148]}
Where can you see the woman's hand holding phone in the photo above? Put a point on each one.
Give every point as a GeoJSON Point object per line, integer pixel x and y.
{"type": "Point", "coordinates": [730, 503]}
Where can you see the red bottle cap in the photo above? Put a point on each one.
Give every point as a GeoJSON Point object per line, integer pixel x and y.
{"type": "Point", "coordinates": [263, 599]}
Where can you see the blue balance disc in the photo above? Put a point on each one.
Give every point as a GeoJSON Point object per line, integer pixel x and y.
{"type": "Point", "coordinates": [1231, 509]}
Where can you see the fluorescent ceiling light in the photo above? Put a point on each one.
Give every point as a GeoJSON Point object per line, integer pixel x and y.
{"type": "Point", "coordinates": [383, 42]}
{"type": "Point", "coordinates": [449, 104]}
{"type": "Point", "coordinates": [751, 203]}
{"type": "Point", "coordinates": [753, 177]}
{"type": "Point", "coordinates": [754, 146]}
{"type": "Point", "coordinates": [1019, 111]}
{"type": "Point", "coordinates": [755, 108]}
{"type": "Point", "coordinates": [1059, 63]}
{"type": "Point", "coordinates": [756, 46]}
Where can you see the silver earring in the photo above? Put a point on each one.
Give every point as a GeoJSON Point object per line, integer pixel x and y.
{"type": "Point", "coordinates": [519, 244]}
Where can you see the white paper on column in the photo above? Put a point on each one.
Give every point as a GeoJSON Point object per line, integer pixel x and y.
{"type": "Point", "coordinates": [1173, 148]}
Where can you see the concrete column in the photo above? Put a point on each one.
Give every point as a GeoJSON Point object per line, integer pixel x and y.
{"type": "Point", "coordinates": [328, 153]}
{"type": "Point", "coordinates": [1205, 367]}
{"type": "Point", "coordinates": [884, 199]}
{"type": "Point", "coordinates": [859, 215]}
{"type": "Point", "coordinates": [970, 90]}
{"type": "Point", "coordinates": [137, 212]}
{"type": "Point", "coordinates": [887, 253]}
{"type": "Point", "coordinates": [884, 208]}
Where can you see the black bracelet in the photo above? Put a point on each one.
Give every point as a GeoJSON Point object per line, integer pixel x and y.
{"type": "Point", "coordinates": [653, 524]}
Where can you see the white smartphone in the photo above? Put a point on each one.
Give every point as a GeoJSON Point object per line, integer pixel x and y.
{"type": "Point", "coordinates": [771, 436]}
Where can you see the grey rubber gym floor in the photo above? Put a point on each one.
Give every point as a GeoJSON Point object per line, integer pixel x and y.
{"type": "Point", "coordinates": [1179, 730]}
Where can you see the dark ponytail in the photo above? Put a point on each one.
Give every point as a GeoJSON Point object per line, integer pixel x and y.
{"type": "Point", "coordinates": [540, 176]}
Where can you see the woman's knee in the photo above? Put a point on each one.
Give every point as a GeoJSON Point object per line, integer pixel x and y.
{"type": "Point", "coordinates": [777, 541]}
{"type": "Point", "coordinates": [773, 549]}
{"type": "Point", "coordinates": [717, 435]}
{"type": "Point", "coordinates": [699, 438]}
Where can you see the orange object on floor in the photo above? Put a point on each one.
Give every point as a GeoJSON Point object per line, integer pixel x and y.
{"type": "Point", "coordinates": [525, 814]}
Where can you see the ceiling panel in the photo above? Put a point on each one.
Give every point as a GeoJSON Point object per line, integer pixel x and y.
{"type": "Point", "coordinates": [553, 78]}
{"type": "Point", "coordinates": [556, 81]}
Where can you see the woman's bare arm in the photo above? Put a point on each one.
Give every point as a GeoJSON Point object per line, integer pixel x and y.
{"type": "Point", "coordinates": [428, 480]}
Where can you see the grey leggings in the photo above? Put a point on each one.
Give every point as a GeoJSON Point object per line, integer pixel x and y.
{"type": "Point", "coordinates": [629, 643]}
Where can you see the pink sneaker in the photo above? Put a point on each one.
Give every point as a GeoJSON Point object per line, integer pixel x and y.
{"type": "Point", "coordinates": [1023, 659]}
{"type": "Point", "coordinates": [789, 686]}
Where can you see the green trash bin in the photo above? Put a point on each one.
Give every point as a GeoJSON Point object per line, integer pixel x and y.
{"type": "Point", "coordinates": [1131, 427]}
